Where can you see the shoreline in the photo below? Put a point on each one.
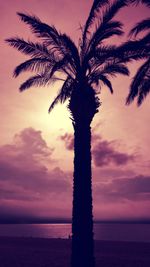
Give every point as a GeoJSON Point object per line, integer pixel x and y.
{"type": "Point", "coordinates": [55, 252]}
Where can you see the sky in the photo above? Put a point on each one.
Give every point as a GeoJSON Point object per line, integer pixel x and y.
{"type": "Point", "coordinates": [36, 148]}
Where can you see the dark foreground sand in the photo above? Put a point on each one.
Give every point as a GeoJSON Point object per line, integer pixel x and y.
{"type": "Point", "coordinates": [39, 252]}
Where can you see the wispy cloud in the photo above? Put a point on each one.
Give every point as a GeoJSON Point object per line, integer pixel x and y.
{"type": "Point", "coordinates": [135, 188]}
{"type": "Point", "coordinates": [105, 153]}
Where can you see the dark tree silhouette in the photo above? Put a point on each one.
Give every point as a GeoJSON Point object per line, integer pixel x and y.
{"type": "Point", "coordinates": [82, 71]}
{"type": "Point", "coordinates": [147, 2]}
{"type": "Point", "coordinates": [140, 85]}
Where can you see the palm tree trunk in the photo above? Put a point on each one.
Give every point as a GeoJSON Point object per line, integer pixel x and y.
{"type": "Point", "coordinates": [82, 218]}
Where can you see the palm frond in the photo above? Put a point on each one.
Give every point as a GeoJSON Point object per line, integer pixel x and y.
{"type": "Point", "coordinates": [106, 82]}
{"type": "Point", "coordinates": [39, 28]}
{"type": "Point", "coordinates": [136, 2]}
{"type": "Point", "coordinates": [55, 101]}
{"type": "Point", "coordinates": [97, 4]}
{"type": "Point", "coordinates": [110, 11]}
{"type": "Point", "coordinates": [127, 52]}
{"type": "Point", "coordinates": [132, 50]}
{"type": "Point", "coordinates": [106, 28]}
{"type": "Point", "coordinates": [104, 32]}
{"type": "Point", "coordinates": [64, 93]}
{"type": "Point", "coordinates": [63, 64]}
{"type": "Point", "coordinates": [97, 76]}
{"type": "Point", "coordinates": [124, 51]}
{"type": "Point", "coordinates": [115, 68]}
{"type": "Point", "coordinates": [102, 52]}
{"type": "Point", "coordinates": [98, 56]}
{"type": "Point", "coordinates": [66, 89]}
{"type": "Point", "coordinates": [109, 34]}
{"type": "Point", "coordinates": [147, 2]}
{"type": "Point", "coordinates": [140, 26]}
{"type": "Point", "coordinates": [37, 80]}
{"type": "Point", "coordinates": [137, 81]}
{"type": "Point", "coordinates": [146, 39]}
{"type": "Point", "coordinates": [71, 49]}
{"type": "Point", "coordinates": [41, 79]}
{"type": "Point", "coordinates": [33, 64]}
{"type": "Point", "coordinates": [30, 48]}
{"type": "Point", "coordinates": [60, 43]}
{"type": "Point", "coordinates": [144, 91]}
{"type": "Point", "coordinates": [113, 9]}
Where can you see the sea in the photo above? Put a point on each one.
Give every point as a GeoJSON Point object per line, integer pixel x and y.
{"type": "Point", "coordinates": [136, 232]}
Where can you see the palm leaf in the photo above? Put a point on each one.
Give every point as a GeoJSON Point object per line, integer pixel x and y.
{"type": "Point", "coordinates": [144, 91]}
{"type": "Point", "coordinates": [61, 65]}
{"type": "Point", "coordinates": [39, 28]}
{"type": "Point", "coordinates": [53, 104]}
{"type": "Point", "coordinates": [106, 82]}
{"type": "Point", "coordinates": [66, 89]}
{"type": "Point", "coordinates": [140, 26]}
{"type": "Point", "coordinates": [41, 79]}
{"type": "Point", "coordinates": [132, 50]}
{"type": "Point", "coordinates": [98, 56]}
{"type": "Point", "coordinates": [108, 14]}
{"type": "Point", "coordinates": [113, 9]}
{"type": "Point", "coordinates": [37, 80]}
{"type": "Point", "coordinates": [115, 68]}
{"type": "Point", "coordinates": [103, 52]}
{"type": "Point", "coordinates": [125, 51]}
{"type": "Point", "coordinates": [64, 93]}
{"type": "Point", "coordinates": [97, 4]}
{"type": "Point", "coordinates": [71, 49]}
{"type": "Point", "coordinates": [61, 43]}
{"type": "Point", "coordinates": [106, 55]}
{"type": "Point", "coordinates": [33, 64]}
{"type": "Point", "coordinates": [95, 7]}
{"type": "Point", "coordinates": [97, 76]}
{"type": "Point", "coordinates": [137, 81]}
{"type": "Point", "coordinates": [146, 2]}
{"type": "Point", "coordinates": [104, 32]}
{"type": "Point", "coordinates": [29, 48]}
{"type": "Point", "coordinates": [108, 34]}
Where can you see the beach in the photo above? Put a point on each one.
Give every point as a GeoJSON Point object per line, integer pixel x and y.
{"type": "Point", "coordinates": [48, 252]}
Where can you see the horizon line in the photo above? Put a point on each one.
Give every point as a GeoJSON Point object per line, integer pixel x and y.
{"type": "Point", "coordinates": [67, 221]}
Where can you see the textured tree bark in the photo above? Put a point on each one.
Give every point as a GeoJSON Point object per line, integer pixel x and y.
{"type": "Point", "coordinates": [82, 217]}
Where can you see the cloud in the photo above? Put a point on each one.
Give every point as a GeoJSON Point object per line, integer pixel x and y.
{"type": "Point", "coordinates": [133, 188]}
{"type": "Point", "coordinates": [31, 185]}
{"type": "Point", "coordinates": [25, 179]}
{"type": "Point", "coordinates": [40, 181]}
{"type": "Point", "coordinates": [106, 174]}
{"type": "Point", "coordinates": [104, 153]}
{"type": "Point", "coordinates": [68, 140]}
{"type": "Point", "coordinates": [27, 150]}
{"type": "Point", "coordinates": [31, 141]}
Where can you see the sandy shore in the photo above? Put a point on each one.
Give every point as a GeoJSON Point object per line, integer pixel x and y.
{"type": "Point", "coordinates": [39, 252]}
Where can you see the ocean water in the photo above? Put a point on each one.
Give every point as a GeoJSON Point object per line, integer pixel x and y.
{"type": "Point", "coordinates": [102, 231]}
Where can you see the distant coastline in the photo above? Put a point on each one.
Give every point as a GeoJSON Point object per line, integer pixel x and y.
{"type": "Point", "coordinates": [103, 230]}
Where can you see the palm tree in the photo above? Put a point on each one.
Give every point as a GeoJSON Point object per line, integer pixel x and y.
{"type": "Point", "coordinates": [82, 70]}
{"type": "Point", "coordinates": [140, 85]}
